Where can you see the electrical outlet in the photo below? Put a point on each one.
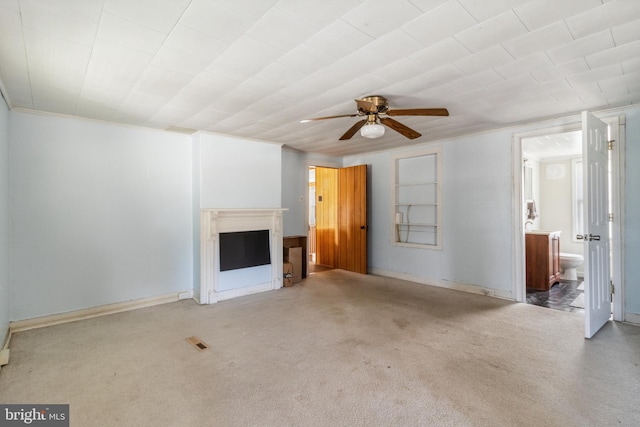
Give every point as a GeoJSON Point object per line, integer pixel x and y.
{"type": "Point", "coordinates": [185, 295]}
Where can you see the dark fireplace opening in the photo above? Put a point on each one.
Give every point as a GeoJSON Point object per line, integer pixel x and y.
{"type": "Point", "coordinates": [244, 249]}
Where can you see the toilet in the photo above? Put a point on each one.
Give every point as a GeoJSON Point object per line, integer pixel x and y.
{"type": "Point", "coordinates": [568, 264]}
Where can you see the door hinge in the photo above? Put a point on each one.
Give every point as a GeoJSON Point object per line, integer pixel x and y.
{"type": "Point", "coordinates": [610, 144]}
{"type": "Point", "coordinates": [612, 287]}
{"type": "Point", "coordinates": [610, 217]}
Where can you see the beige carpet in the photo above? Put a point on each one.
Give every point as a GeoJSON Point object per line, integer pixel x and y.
{"type": "Point", "coordinates": [338, 349]}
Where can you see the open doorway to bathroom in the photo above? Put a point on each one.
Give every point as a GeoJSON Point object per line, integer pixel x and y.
{"type": "Point", "coordinates": [553, 199]}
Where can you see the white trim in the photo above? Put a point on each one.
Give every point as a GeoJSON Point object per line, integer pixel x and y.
{"type": "Point", "coordinates": [241, 292]}
{"type": "Point", "coordinates": [430, 150]}
{"type": "Point", "coordinates": [447, 284]}
{"type": "Point", "coordinates": [88, 313]}
{"type": "Point", "coordinates": [617, 129]}
{"type": "Point", "coordinates": [216, 221]}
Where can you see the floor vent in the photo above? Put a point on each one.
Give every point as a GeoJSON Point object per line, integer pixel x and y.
{"type": "Point", "coordinates": [198, 343]}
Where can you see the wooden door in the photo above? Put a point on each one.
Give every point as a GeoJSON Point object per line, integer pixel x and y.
{"type": "Point", "coordinates": [326, 216]}
{"type": "Point", "coordinates": [595, 157]}
{"type": "Point", "coordinates": [352, 219]}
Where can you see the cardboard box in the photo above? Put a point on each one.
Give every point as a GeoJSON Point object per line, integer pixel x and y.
{"type": "Point", "coordinates": [294, 256]}
{"type": "Point", "coordinates": [287, 274]}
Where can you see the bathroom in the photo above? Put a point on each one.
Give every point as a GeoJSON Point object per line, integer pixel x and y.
{"type": "Point", "coordinates": [553, 202]}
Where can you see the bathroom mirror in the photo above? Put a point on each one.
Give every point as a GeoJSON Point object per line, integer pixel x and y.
{"type": "Point", "coordinates": [528, 183]}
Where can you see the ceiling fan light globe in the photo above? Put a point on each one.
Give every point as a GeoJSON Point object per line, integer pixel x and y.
{"type": "Point", "coordinates": [372, 131]}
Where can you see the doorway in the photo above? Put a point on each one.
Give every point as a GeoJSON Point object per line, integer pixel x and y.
{"type": "Point", "coordinates": [553, 200]}
{"type": "Point", "coordinates": [614, 126]}
{"type": "Point", "coordinates": [338, 218]}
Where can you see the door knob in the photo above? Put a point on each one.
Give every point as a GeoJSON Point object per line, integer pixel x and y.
{"type": "Point", "coordinates": [362, 227]}
{"type": "Point", "coordinates": [588, 237]}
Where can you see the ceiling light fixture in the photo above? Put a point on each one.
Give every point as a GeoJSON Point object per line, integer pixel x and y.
{"type": "Point", "coordinates": [372, 129]}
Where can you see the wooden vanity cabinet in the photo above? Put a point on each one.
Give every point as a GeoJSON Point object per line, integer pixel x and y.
{"type": "Point", "coordinates": [542, 251]}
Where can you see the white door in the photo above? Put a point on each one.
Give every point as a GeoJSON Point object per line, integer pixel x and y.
{"type": "Point", "coordinates": [596, 219]}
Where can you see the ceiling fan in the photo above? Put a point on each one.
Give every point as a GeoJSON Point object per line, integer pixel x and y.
{"type": "Point", "coordinates": [372, 107]}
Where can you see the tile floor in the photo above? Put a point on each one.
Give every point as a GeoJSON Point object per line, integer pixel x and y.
{"type": "Point", "coordinates": [565, 296]}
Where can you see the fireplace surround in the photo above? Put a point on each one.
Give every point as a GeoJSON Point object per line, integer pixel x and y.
{"type": "Point", "coordinates": [216, 221]}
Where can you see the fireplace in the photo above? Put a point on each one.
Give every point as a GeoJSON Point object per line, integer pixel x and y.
{"type": "Point", "coordinates": [245, 268]}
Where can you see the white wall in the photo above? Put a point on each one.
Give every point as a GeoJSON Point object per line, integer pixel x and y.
{"type": "Point", "coordinates": [101, 214]}
{"type": "Point", "coordinates": [239, 173]}
{"type": "Point", "coordinates": [477, 216]}
{"type": "Point", "coordinates": [556, 206]}
{"type": "Point", "coordinates": [4, 221]}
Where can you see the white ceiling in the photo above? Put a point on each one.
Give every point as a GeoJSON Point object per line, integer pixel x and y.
{"type": "Point", "coordinates": [553, 146]}
{"type": "Point", "coordinates": [255, 68]}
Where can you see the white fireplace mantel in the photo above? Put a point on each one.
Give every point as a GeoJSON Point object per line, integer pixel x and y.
{"type": "Point", "coordinates": [216, 221]}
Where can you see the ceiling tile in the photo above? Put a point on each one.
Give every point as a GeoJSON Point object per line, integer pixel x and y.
{"type": "Point", "coordinates": [483, 10]}
{"type": "Point", "coordinates": [83, 9]}
{"type": "Point", "coordinates": [614, 54]}
{"type": "Point", "coordinates": [279, 75]}
{"type": "Point", "coordinates": [626, 33]}
{"type": "Point", "coordinates": [610, 14]}
{"type": "Point", "coordinates": [216, 20]}
{"type": "Point", "coordinates": [536, 13]}
{"type": "Point", "coordinates": [305, 59]}
{"type": "Point", "coordinates": [195, 43]}
{"type": "Point", "coordinates": [484, 60]}
{"type": "Point", "coordinates": [128, 34]}
{"type": "Point", "coordinates": [179, 61]}
{"type": "Point", "coordinates": [392, 46]}
{"type": "Point", "coordinates": [483, 79]}
{"type": "Point", "coordinates": [525, 65]}
{"type": "Point", "coordinates": [546, 88]}
{"type": "Point", "coordinates": [279, 30]}
{"type": "Point", "coordinates": [317, 14]}
{"type": "Point", "coordinates": [252, 8]}
{"type": "Point", "coordinates": [401, 69]}
{"type": "Point", "coordinates": [10, 22]}
{"type": "Point", "coordinates": [160, 84]}
{"type": "Point", "coordinates": [114, 68]}
{"type": "Point", "coordinates": [253, 52]}
{"type": "Point", "coordinates": [378, 17]}
{"type": "Point", "coordinates": [338, 39]}
{"type": "Point", "coordinates": [159, 15]}
{"type": "Point", "coordinates": [581, 47]}
{"type": "Point", "coordinates": [438, 54]}
{"type": "Point", "coordinates": [505, 26]}
{"type": "Point", "coordinates": [559, 71]}
{"type": "Point", "coordinates": [540, 39]}
{"type": "Point", "coordinates": [53, 23]}
{"type": "Point", "coordinates": [56, 56]}
{"type": "Point", "coordinates": [440, 23]}
{"type": "Point", "coordinates": [595, 75]}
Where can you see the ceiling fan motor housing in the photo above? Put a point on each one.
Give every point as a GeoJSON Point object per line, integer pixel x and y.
{"type": "Point", "coordinates": [380, 102]}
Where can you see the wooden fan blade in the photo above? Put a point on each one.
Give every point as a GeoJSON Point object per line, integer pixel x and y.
{"type": "Point", "coordinates": [328, 117]}
{"type": "Point", "coordinates": [400, 128]}
{"type": "Point", "coordinates": [419, 112]}
{"type": "Point", "coordinates": [366, 106]}
{"type": "Point", "coordinates": [352, 131]}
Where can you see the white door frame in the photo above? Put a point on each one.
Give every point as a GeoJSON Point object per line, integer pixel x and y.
{"type": "Point", "coordinates": [616, 126]}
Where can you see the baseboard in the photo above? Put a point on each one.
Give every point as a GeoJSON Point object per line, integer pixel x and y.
{"type": "Point", "coordinates": [240, 292]}
{"type": "Point", "coordinates": [88, 313]}
{"type": "Point", "coordinates": [633, 318]}
{"type": "Point", "coordinates": [448, 284]}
